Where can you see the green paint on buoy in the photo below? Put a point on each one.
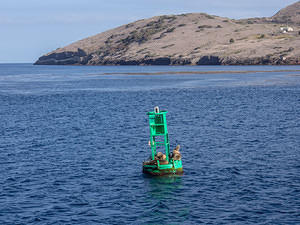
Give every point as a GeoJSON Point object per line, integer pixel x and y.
{"type": "Point", "coordinates": [161, 164]}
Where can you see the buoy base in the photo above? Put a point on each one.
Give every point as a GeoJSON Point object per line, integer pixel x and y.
{"type": "Point", "coordinates": [154, 168]}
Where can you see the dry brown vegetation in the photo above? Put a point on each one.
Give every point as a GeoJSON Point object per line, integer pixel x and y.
{"type": "Point", "coordinates": [188, 39]}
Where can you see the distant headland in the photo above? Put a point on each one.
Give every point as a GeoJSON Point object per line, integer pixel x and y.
{"type": "Point", "coordinates": [190, 39]}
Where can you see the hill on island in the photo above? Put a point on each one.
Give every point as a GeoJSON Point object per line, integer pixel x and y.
{"type": "Point", "coordinates": [190, 39]}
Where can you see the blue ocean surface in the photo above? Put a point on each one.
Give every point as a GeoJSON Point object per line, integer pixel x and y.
{"type": "Point", "coordinates": [73, 139]}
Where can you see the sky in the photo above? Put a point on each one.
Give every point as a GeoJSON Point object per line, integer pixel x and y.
{"type": "Point", "coordinates": [31, 28]}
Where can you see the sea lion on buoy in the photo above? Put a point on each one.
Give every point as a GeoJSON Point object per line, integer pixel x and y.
{"type": "Point", "coordinates": [177, 157]}
{"type": "Point", "coordinates": [160, 156]}
{"type": "Point", "coordinates": [163, 162]}
{"type": "Point", "coordinates": [176, 154]}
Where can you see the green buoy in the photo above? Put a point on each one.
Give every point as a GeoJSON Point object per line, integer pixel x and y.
{"type": "Point", "coordinates": [161, 164]}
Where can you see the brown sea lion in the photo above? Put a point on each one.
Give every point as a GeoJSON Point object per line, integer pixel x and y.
{"type": "Point", "coordinates": [177, 157]}
{"type": "Point", "coordinates": [175, 152]}
{"type": "Point", "coordinates": [177, 148]}
{"type": "Point", "coordinates": [163, 162]}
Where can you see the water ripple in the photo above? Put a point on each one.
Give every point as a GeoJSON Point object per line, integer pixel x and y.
{"type": "Point", "coordinates": [73, 156]}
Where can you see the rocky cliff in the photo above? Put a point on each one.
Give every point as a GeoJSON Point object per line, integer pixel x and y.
{"type": "Point", "coordinates": [190, 39]}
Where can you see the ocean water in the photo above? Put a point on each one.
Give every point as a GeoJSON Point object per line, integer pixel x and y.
{"type": "Point", "coordinates": [73, 139]}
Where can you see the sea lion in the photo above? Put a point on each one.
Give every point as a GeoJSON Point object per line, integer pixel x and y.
{"type": "Point", "coordinates": [163, 162]}
{"type": "Point", "coordinates": [177, 157]}
{"type": "Point", "coordinates": [175, 152]}
{"type": "Point", "coordinates": [160, 156]}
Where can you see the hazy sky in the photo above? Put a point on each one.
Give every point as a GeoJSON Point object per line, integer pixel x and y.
{"type": "Point", "coordinates": [30, 28]}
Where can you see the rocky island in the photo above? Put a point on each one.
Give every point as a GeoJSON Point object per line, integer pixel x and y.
{"type": "Point", "coordinates": [190, 39]}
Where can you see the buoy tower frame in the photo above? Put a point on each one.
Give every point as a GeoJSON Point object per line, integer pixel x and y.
{"type": "Point", "coordinates": [159, 132]}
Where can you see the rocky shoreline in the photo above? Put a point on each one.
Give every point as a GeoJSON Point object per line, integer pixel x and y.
{"type": "Point", "coordinates": [74, 58]}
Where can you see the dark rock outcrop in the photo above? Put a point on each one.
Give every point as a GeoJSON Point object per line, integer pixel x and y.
{"type": "Point", "coordinates": [209, 60]}
{"type": "Point", "coordinates": [64, 58]}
